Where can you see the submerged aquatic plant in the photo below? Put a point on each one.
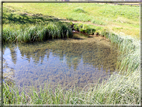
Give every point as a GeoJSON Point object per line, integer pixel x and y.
{"type": "Point", "coordinates": [119, 89]}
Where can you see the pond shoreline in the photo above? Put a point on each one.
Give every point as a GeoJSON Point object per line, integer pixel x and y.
{"type": "Point", "coordinates": [93, 42]}
{"type": "Point", "coordinates": [32, 28]}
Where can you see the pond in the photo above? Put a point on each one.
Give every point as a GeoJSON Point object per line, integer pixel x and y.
{"type": "Point", "coordinates": [68, 62]}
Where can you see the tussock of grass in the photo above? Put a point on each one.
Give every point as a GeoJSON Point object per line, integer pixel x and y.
{"type": "Point", "coordinates": [84, 28]}
{"type": "Point", "coordinates": [37, 32]}
{"type": "Point", "coordinates": [79, 10]}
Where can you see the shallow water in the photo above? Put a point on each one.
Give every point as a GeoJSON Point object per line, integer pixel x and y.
{"type": "Point", "coordinates": [70, 63]}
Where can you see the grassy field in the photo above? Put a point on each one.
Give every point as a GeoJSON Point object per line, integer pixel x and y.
{"type": "Point", "coordinates": [36, 27]}
{"type": "Point", "coordinates": [117, 18]}
{"type": "Point", "coordinates": [28, 22]}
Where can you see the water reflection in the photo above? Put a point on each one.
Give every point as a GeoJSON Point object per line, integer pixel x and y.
{"type": "Point", "coordinates": [65, 62]}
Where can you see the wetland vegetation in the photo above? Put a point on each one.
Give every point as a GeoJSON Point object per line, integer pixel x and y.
{"type": "Point", "coordinates": [33, 30]}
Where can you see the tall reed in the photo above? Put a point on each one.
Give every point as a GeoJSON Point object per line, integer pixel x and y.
{"type": "Point", "coordinates": [37, 32]}
{"type": "Point", "coordinates": [129, 50]}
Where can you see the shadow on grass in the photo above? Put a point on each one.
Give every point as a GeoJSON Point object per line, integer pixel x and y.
{"type": "Point", "coordinates": [26, 18]}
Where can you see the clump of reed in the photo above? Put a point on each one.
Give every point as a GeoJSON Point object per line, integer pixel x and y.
{"type": "Point", "coordinates": [84, 29]}
{"type": "Point", "coordinates": [129, 50]}
{"type": "Point", "coordinates": [37, 32]}
{"type": "Point", "coordinates": [9, 35]}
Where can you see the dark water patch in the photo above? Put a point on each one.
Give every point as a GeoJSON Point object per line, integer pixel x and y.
{"type": "Point", "coordinates": [66, 62]}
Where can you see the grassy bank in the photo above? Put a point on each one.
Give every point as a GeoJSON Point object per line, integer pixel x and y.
{"type": "Point", "coordinates": [121, 88]}
{"type": "Point", "coordinates": [98, 18]}
{"type": "Point", "coordinates": [39, 32]}
{"type": "Point", "coordinates": [26, 28]}
{"type": "Point", "coordinates": [118, 18]}
{"type": "Point", "coordinates": [48, 30]}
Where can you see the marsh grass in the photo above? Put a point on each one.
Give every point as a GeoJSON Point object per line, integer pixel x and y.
{"type": "Point", "coordinates": [37, 32]}
{"type": "Point", "coordinates": [121, 88]}
{"type": "Point", "coordinates": [129, 50]}
{"type": "Point", "coordinates": [84, 28]}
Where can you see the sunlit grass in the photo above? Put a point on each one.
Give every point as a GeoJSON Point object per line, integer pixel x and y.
{"type": "Point", "coordinates": [36, 32]}
{"type": "Point", "coordinates": [125, 17]}
{"type": "Point", "coordinates": [129, 58]}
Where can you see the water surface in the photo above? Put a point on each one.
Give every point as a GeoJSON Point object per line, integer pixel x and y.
{"type": "Point", "coordinates": [70, 63]}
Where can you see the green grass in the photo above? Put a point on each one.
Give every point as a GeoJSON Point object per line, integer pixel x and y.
{"type": "Point", "coordinates": [79, 10]}
{"type": "Point", "coordinates": [26, 28]}
{"type": "Point", "coordinates": [110, 16]}
{"type": "Point", "coordinates": [37, 32]}
{"type": "Point", "coordinates": [129, 50]}
{"type": "Point", "coordinates": [84, 28]}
